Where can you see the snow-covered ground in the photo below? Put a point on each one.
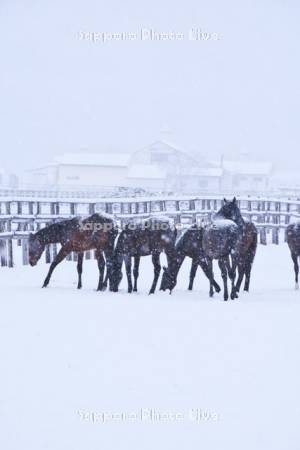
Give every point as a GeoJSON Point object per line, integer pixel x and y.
{"type": "Point", "coordinates": [186, 372]}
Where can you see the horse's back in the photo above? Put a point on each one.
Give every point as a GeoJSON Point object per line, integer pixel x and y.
{"type": "Point", "coordinates": [191, 242]}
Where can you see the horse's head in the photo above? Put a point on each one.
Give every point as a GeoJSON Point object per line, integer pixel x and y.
{"type": "Point", "coordinates": [35, 249]}
{"type": "Point", "coordinates": [168, 281]}
{"type": "Point", "coordinates": [230, 210]}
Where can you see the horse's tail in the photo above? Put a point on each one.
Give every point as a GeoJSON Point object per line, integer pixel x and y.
{"type": "Point", "coordinates": [252, 248]}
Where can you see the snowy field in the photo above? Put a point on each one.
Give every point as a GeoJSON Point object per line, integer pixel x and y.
{"type": "Point", "coordinates": [89, 370]}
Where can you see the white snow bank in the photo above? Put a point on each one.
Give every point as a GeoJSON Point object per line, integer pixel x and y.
{"type": "Point", "coordinates": [70, 358]}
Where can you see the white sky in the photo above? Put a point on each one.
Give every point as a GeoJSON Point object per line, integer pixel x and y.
{"type": "Point", "coordinates": [61, 94]}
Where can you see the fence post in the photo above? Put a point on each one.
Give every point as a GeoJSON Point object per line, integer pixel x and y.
{"type": "Point", "coordinates": [263, 236]}
{"type": "Point", "coordinates": [275, 235]}
{"type": "Point", "coordinates": [3, 252]}
{"type": "Point", "coordinates": [25, 251]}
{"type": "Point", "coordinates": [10, 253]}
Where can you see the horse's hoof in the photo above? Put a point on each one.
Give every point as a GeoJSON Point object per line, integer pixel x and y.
{"type": "Point", "coordinates": [44, 286]}
{"type": "Point", "coordinates": [79, 287]}
{"type": "Point", "coordinates": [151, 292]}
{"type": "Point", "coordinates": [296, 287]}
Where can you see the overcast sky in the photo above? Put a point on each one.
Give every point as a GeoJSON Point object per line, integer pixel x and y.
{"type": "Point", "coordinates": [60, 92]}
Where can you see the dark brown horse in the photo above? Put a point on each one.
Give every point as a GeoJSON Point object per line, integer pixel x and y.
{"type": "Point", "coordinates": [149, 237]}
{"type": "Point", "coordinates": [293, 240]}
{"type": "Point", "coordinates": [249, 246]}
{"type": "Point", "coordinates": [189, 244]}
{"type": "Point", "coordinates": [222, 241]}
{"type": "Point", "coordinates": [96, 232]}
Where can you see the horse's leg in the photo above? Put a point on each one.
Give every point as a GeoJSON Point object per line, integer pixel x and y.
{"type": "Point", "coordinates": [101, 267]}
{"type": "Point", "coordinates": [209, 274]}
{"type": "Point", "coordinates": [105, 282]}
{"type": "Point", "coordinates": [193, 271]}
{"type": "Point", "coordinates": [241, 271]}
{"type": "Point", "coordinates": [208, 271]}
{"type": "Point", "coordinates": [231, 270]}
{"type": "Point", "coordinates": [127, 260]}
{"type": "Point", "coordinates": [222, 265]}
{"type": "Point", "coordinates": [136, 271]}
{"type": "Point", "coordinates": [59, 258]}
{"type": "Point", "coordinates": [79, 269]}
{"type": "Point", "coordinates": [157, 268]}
{"type": "Point", "coordinates": [296, 268]}
{"type": "Point", "coordinates": [109, 267]}
{"type": "Point", "coordinates": [247, 276]}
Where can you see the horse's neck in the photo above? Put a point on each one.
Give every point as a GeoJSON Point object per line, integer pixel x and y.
{"type": "Point", "coordinates": [240, 221]}
{"type": "Point", "coordinates": [50, 235]}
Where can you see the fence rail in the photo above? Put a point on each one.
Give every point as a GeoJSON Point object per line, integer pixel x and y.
{"type": "Point", "coordinates": [19, 216]}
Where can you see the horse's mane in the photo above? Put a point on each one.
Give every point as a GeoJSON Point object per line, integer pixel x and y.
{"type": "Point", "coordinates": [98, 218]}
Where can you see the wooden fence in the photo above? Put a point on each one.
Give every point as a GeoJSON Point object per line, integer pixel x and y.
{"type": "Point", "coordinates": [20, 216]}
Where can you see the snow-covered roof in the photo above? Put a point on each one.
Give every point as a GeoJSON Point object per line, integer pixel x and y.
{"type": "Point", "coordinates": [94, 159]}
{"type": "Point", "coordinates": [248, 167]}
{"type": "Point", "coordinates": [161, 145]}
{"type": "Point", "coordinates": [146, 171]}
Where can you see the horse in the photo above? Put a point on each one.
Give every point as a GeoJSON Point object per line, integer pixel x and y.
{"type": "Point", "coordinates": [222, 240]}
{"type": "Point", "coordinates": [189, 244]}
{"type": "Point", "coordinates": [75, 235]}
{"type": "Point", "coordinates": [248, 251]}
{"type": "Point", "coordinates": [149, 237]}
{"type": "Point", "coordinates": [293, 240]}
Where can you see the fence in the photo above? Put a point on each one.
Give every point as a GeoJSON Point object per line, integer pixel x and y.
{"type": "Point", "coordinates": [20, 216]}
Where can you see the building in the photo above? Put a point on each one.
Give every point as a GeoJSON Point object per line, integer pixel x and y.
{"type": "Point", "coordinates": [173, 169]}
{"type": "Point", "coordinates": [82, 171]}
{"type": "Point", "coordinates": [8, 180]}
{"type": "Point", "coordinates": [246, 176]}
{"type": "Point", "coordinates": [158, 167]}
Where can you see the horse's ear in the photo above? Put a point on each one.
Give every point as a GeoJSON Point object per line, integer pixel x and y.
{"type": "Point", "coordinates": [234, 200]}
{"type": "Point", "coordinates": [225, 201]}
